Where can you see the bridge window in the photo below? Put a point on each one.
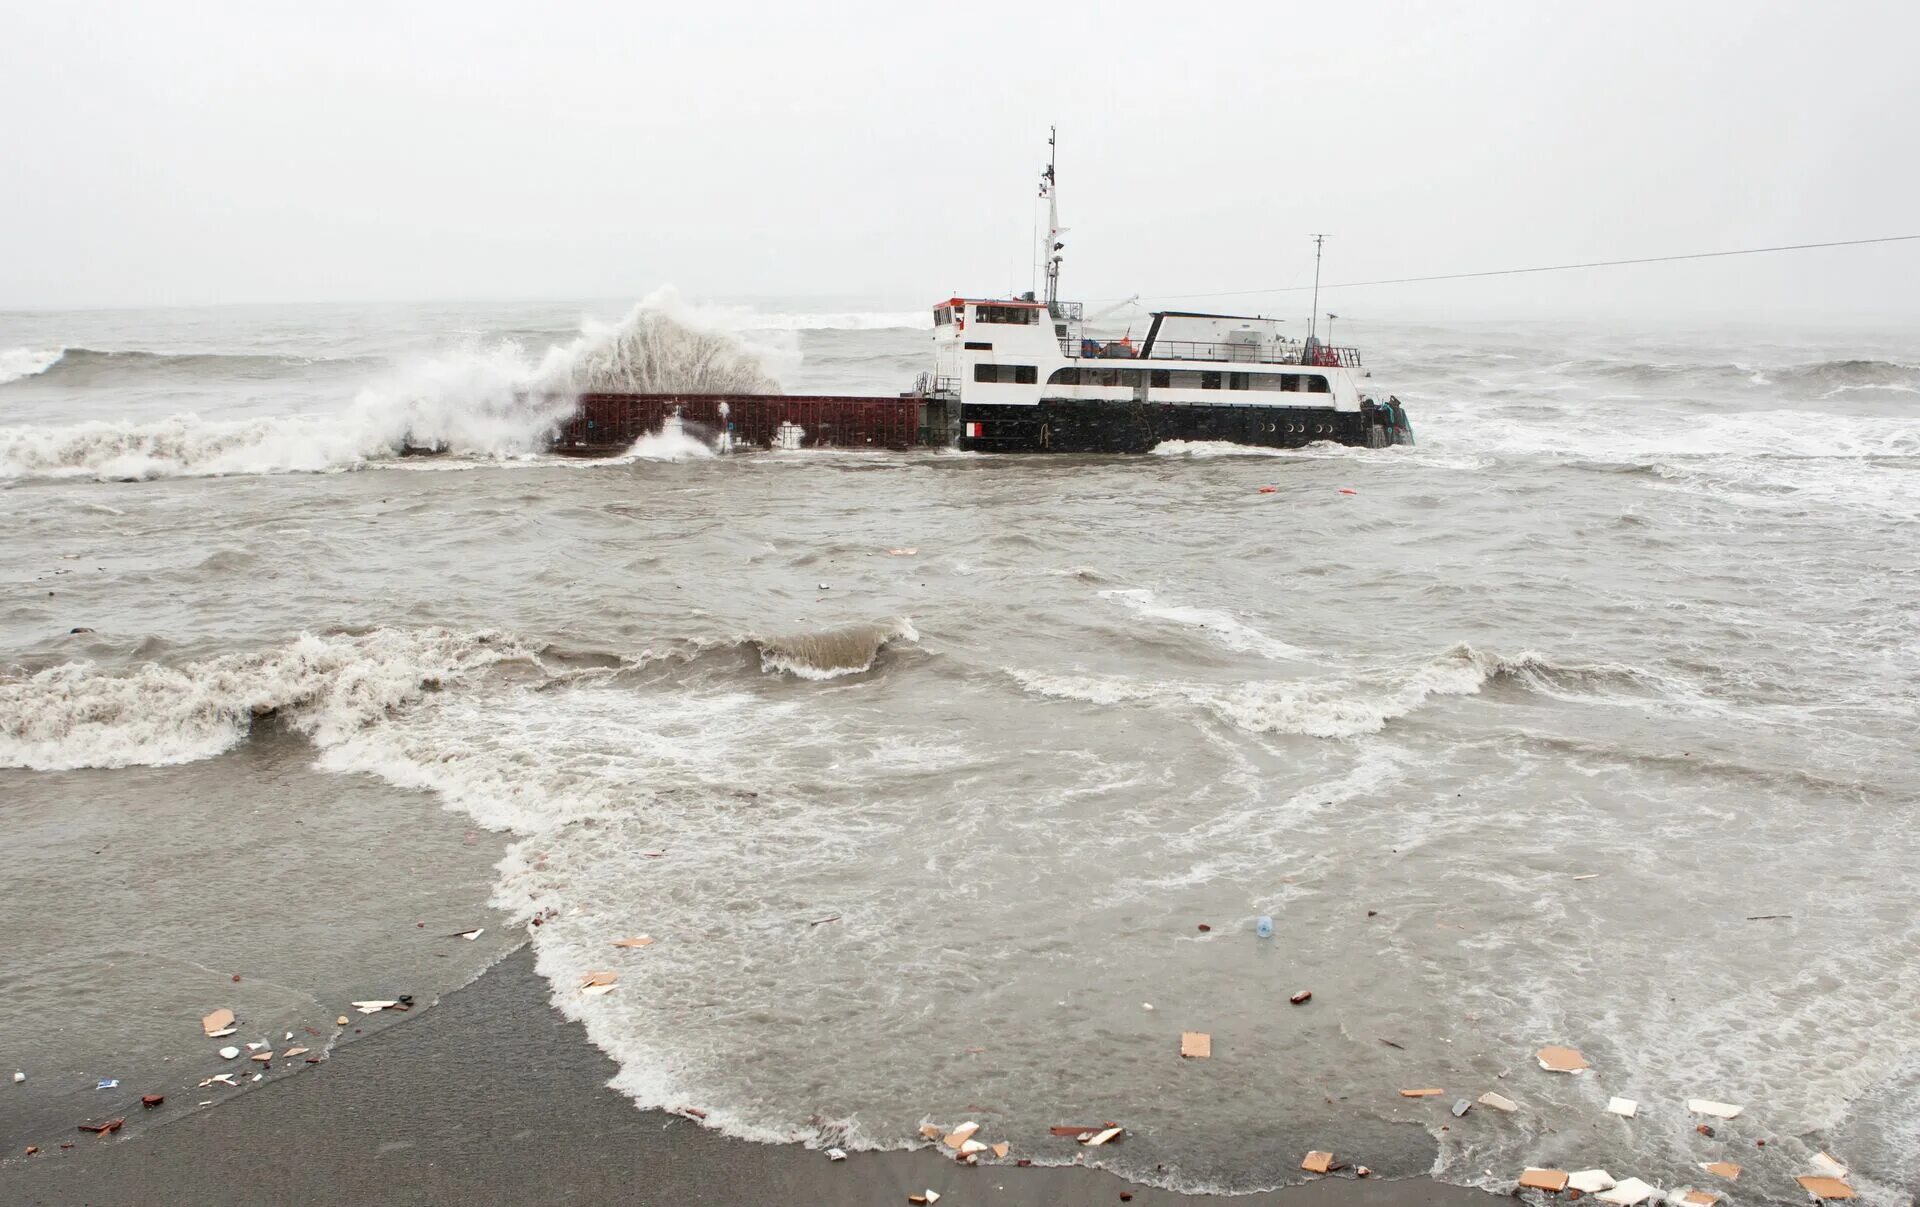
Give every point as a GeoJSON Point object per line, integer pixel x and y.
{"type": "Point", "coordinates": [942, 315]}
{"type": "Point", "coordinates": [1064, 377]}
{"type": "Point", "coordinates": [1022, 375]}
{"type": "Point", "coordinates": [1007, 314]}
{"type": "Point", "coordinates": [1318, 385]}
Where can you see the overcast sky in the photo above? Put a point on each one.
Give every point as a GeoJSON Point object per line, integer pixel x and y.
{"type": "Point", "coordinates": [263, 151]}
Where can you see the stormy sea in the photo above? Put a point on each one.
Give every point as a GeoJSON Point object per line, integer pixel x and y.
{"type": "Point", "coordinates": [947, 787]}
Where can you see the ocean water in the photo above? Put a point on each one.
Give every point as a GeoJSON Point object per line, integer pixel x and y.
{"type": "Point", "coordinates": [926, 771]}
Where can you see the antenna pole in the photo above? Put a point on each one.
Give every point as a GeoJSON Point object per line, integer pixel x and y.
{"type": "Point", "coordinates": [1314, 313]}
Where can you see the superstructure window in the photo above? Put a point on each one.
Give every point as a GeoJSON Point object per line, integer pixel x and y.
{"type": "Point", "coordinates": [1209, 379]}
{"type": "Point", "coordinates": [1064, 377]}
{"type": "Point", "coordinates": [1236, 381]}
{"type": "Point", "coordinates": [942, 315]}
{"type": "Point", "coordinates": [1021, 375]}
{"type": "Point", "coordinates": [1025, 315]}
{"type": "Point", "coordinates": [1162, 379]}
{"type": "Point", "coordinates": [1319, 385]}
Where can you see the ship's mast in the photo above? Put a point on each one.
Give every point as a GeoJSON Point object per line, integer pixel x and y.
{"type": "Point", "coordinates": [1049, 189]}
{"type": "Point", "coordinates": [1311, 314]}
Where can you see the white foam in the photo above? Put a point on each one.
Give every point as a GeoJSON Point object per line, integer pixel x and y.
{"type": "Point", "coordinates": [76, 715]}
{"type": "Point", "coordinates": [1226, 629]}
{"type": "Point", "coordinates": [16, 363]}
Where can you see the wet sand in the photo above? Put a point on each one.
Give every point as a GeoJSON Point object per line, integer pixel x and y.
{"type": "Point", "coordinates": [491, 1096]}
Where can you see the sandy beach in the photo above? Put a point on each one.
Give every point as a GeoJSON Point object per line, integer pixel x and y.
{"type": "Point", "coordinates": [491, 1095]}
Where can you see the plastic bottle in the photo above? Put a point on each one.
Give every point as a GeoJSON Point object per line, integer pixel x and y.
{"type": "Point", "coordinates": [1264, 927]}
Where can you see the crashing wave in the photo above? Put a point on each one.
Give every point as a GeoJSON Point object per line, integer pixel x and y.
{"type": "Point", "coordinates": [1341, 706]}
{"type": "Point", "coordinates": [18, 363]}
{"type": "Point", "coordinates": [831, 653]}
{"type": "Point", "coordinates": [326, 687]}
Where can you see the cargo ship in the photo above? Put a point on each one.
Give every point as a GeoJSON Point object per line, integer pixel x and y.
{"type": "Point", "coordinates": [1025, 375]}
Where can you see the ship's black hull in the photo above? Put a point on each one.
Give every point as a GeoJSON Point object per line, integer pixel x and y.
{"type": "Point", "coordinates": [1081, 426]}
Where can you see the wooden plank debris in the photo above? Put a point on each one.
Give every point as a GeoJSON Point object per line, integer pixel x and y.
{"type": "Point", "coordinates": [1723, 1169]}
{"type": "Point", "coordinates": [1554, 1180]}
{"type": "Point", "coordinates": [1317, 1162]}
{"type": "Point", "coordinates": [1826, 1188]}
{"type": "Point", "coordinates": [1561, 1060]}
{"type": "Point", "coordinates": [219, 1023]}
{"type": "Point", "coordinates": [1719, 1110]}
{"type": "Point", "coordinates": [1431, 1092]}
{"type": "Point", "coordinates": [1196, 1045]}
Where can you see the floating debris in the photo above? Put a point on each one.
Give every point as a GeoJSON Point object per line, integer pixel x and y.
{"type": "Point", "coordinates": [262, 1057]}
{"type": "Point", "coordinates": [969, 1148]}
{"type": "Point", "coordinates": [1102, 1137]}
{"type": "Point", "coordinates": [1554, 1180]}
{"type": "Point", "coordinates": [929, 1131]}
{"type": "Point", "coordinates": [1196, 1045]}
{"type": "Point", "coordinates": [1430, 1092]}
{"type": "Point", "coordinates": [636, 941]}
{"type": "Point", "coordinates": [371, 1007]}
{"type": "Point", "coordinates": [931, 1196]}
{"type": "Point", "coordinates": [18, 1077]}
{"type": "Point", "coordinates": [1590, 1181]}
{"type": "Point", "coordinates": [1723, 1169]}
{"type": "Point", "coordinates": [229, 1052]}
{"type": "Point", "coordinates": [1826, 1188]}
{"type": "Point", "coordinates": [1317, 1162]}
{"type": "Point", "coordinates": [1461, 1107]}
{"type": "Point", "coordinates": [256, 1045]}
{"type": "Point", "coordinates": [219, 1023]}
{"type": "Point", "coordinates": [221, 1078]}
{"type": "Point", "coordinates": [1625, 1107]}
{"type": "Point", "coordinates": [1068, 1129]}
{"type": "Point", "coordinates": [1001, 1150]}
{"type": "Point", "coordinates": [836, 1154]}
{"type": "Point", "coordinates": [1561, 1060]}
{"type": "Point", "coordinates": [114, 1125]}
{"type": "Point", "coordinates": [597, 978]}
{"type": "Point", "coordinates": [598, 990]}
{"type": "Point", "coordinates": [1700, 1198]}
{"type": "Point", "coordinates": [960, 1135]}
{"type": "Point", "coordinates": [1302, 998]}
{"type": "Point", "coordinates": [290, 1053]}
{"type": "Point", "coordinates": [471, 935]}
{"type": "Point", "coordinates": [901, 552]}
{"type": "Point", "coordinates": [108, 1083]}
{"type": "Point", "coordinates": [1827, 1166]}
{"type": "Point", "coordinates": [1629, 1193]}
{"type": "Point", "coordinates": [1719, 1110]}
{"type": "Point", "coordinates": [1499, 1102]}
{"type": "Point", "coordinates": [152, 1100]}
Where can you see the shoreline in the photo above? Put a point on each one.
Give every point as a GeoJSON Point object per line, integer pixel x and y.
{"type": "Point", "coordinates": [490, 1093]}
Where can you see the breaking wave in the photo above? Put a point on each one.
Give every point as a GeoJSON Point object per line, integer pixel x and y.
{"type": "Point", "coordinates": [1815, 378]}
{"type": "Point", "coordinates": [327, 687]}
{"type": "Point", "coordinates": [487, 402]}
{"type": "Point", "coordinates": [831, 653]}
{"type": "Point", "coordinates": [1340, 706]}
{"type": "Point", "coordinates": [16, 363]}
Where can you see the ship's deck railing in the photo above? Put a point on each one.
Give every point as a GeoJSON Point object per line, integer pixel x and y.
{"type": "Point", "coordinates": [929, 385]}
{"type": "Point", "coordinates": [1217, 351]}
